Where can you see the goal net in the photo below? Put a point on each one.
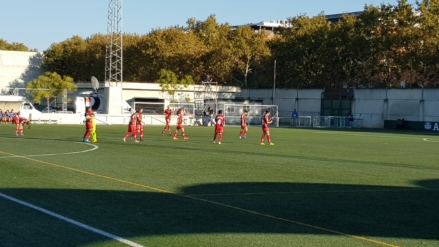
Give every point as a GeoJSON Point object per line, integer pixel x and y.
{"type": "Point", "coordinates": [233, 112]}
{"type": "Point", "coordinates": [153, 112]}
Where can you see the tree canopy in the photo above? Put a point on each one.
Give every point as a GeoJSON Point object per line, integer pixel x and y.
{"type": "Point", "coordinates": [49, 85]}
{"type": "Point", "coordinates": [14, 46]}
{"type": "Point", "coordinates": [382, 47]}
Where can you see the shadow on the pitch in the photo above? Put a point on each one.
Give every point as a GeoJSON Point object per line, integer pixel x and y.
{"type": "Point", "coordinates": [374, 211]}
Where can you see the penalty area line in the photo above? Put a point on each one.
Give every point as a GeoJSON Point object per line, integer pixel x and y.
{"type": "Point", "coordinates": [71, 221]}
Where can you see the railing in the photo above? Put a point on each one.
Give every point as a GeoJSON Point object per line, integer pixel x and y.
{"type": "Point", "coordinates": [304, 122]}
{"type": "Point", "coordinates": [336, 122]}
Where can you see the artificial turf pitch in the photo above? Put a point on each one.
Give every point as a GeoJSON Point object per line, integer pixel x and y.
{"type": "Point", "coordinates": [313, 188]}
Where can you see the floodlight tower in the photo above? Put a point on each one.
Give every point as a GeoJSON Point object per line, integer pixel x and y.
{"type": "Point", "coordinates": [114, 53]}
{"type": "Point", "coordinates": [114, 60]}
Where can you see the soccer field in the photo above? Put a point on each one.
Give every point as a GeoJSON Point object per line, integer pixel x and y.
{"type": "Point", "coordinates": [313, 188]}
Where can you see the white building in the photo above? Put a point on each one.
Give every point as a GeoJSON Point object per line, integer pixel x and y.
{"type": "Point", "coordinates": [17, 68]}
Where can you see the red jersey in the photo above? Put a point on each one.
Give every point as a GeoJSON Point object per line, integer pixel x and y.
{"type": "Point", "coordinates": [139, 119]}
{"type": "Point", "coordinates": [220, 120]}
{"type": "Point", "coordinates": [180, 120]}
{"type": "Point", "coordinates": [133, 119]}
{"type": "Point", "coordinates": [88, 116]}
{"type": "Point", "coordinates": [265, 121]}
{"type": "Point", "coordinates": [23, 120]}
{"type": "Point", "coordinates": [168, 113]}
{"type": "Point", "coordinates": [16, 119]}
{"type": "Point", "coordinates": [243, 119]}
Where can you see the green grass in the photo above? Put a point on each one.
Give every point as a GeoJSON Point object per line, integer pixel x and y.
{"type": "Point", "coordinates": [313, 188]}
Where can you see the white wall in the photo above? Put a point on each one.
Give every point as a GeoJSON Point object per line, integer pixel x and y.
{"type": "Point", "coordinates": [17, 68]}
{"type": "Point", "coordinates": [376, 105]}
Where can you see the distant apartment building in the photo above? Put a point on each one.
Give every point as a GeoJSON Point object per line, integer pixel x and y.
{"type": "Point", "coordinates": [272, 26]}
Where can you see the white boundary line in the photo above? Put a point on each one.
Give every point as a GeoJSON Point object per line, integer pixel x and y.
{"type": "Point", "coordinates": [427, 140]}
{"type": "Point", "coordinates": [374, 135]}
{"type": "Point", "coordinates": [44, 155]}
{"type": "Point", "coordinates": [74, 222]}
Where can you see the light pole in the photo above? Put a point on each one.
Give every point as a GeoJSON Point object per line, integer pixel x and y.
{"type": "Point", "coordinates": [274, 83]}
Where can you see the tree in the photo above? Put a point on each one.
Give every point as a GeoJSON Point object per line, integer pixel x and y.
{"type": "Point", "coordinates": [428, 65]}
{"type": "Point", "coordinates": [249, 48]}
{"type": "Point", "coordinates": [14, 46]}
{"type": "Point", "coordinates": [299, 52]}
{"type": "Point", "coordinates": [170, 83]}
{"type": "Point", "coordinates": [49, 85]}
{"type": "Point", "coordinates": [218, 60]}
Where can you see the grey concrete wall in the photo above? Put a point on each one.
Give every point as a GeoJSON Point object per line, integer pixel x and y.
{"type": "Point", "coordinates": [372, 105]}
{"type": "Point", "coordinates": [376, 105]}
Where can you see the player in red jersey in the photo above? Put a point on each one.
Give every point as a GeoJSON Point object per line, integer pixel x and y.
{"type": "Point", "coordinates": [244, 128]}
{"type": "Point", "coordinates": [88, 124]}
{"type": "Point", "coordinates": [132, 127]}
{"type": "Point", "coordinates": [19, 122]}
{"type": "Point", "coordinates": [168, 114]}
{"type": "Point", "coordinates": [220, 120]}
{"type": "Point", "coordinates": [266, 120]}
{"type": "Point", "coordinates": [18, 126]}
{"type": "Point", "coordinates": [24, 121]}
{"type": "Point", "coordinates": [180, 125]}
{"type": "Point", "coordinates": [139, 125]}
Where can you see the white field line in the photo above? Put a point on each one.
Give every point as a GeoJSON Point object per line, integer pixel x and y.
{"type": "Point", "coordinates": [44, 155]}
{"type": "Point", "coordinates": [74, 222]}
{"type": "Point", "coordinates": [375, 135]}
{"type": "Point", "coordinates": [428, 140]}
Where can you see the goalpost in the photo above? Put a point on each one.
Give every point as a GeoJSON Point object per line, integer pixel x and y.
{"type": "Point", "coordinates": [233, 112]}
{"type": "Point", "coordinates": [153, 112]}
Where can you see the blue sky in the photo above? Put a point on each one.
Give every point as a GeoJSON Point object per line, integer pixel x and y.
{"type": "Point", "coordinates": [39, 23]}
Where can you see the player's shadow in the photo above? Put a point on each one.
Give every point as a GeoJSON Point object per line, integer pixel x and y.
{"type": "Point", "coordinates": [372, 211]}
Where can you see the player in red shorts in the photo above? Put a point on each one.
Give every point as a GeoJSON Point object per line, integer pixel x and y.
{"type": "Point", "coordinates": [19, 123]}
{"type": "Point", "coordinates": [16, 121]}
{"type": "Point", "coordinates": [180, 125]}
{"type": "Point", "coordinates": [266, 120]}
{"type": "Point", "coordinates": [244, 128]}
{"type": "Point", "coordinates": [220, 120]}
{"type": "Point", "coordinates": [168, 114]}
{"type": "Point", "coordinates": [132, 127]}
{"type": "Point", "coordinates": [88, 124]}
{"type": "Point", "coordinates": [139, 125]}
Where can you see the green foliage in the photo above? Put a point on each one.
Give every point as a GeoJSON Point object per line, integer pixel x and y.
{"type": "Point", "coordinates": [249, 49]}
{"type": "Point", "coordinates": [170, 83]}
{"type": "Point", "coordinates": [14, 46]}
{"type": "Point", "coordinates": [49, 85]}
{"type": "Point", "coordinates": [379, 48]}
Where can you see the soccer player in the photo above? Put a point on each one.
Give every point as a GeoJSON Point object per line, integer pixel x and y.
{"type": "Point", "coordinates": [132, 126]}
{"type": "Point", "coordinates": [18, 125]}
{"type": "Point", "coordinates": [244, 128]}
{"type": "Point", "coordinates": [88, 124]}
{"type": "Point", "coordinates": [139, 125]}
{"type": "Point", "coordinates": [94, 137]}
{"type": "Point", "coordinates": [180, 125]}
{"type": "Point", "coordinates": [1, 116]}
{"type": "Point", "coordinates": [168, 114]}
{"type": "Point", "coordinates": [24, 121]}
{"type": "Point", "coordinates": [11, 116]}
{"type": "Point", "coordinates": [6, 116]}
{"type": "Point", "coordinates": [266, 120]}
{"type": "Point", "coordinates": [220, 120]}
